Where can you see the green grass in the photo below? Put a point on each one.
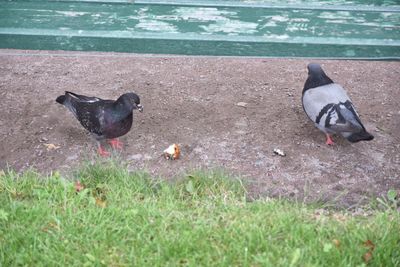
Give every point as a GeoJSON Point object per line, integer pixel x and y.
{"type": "Point", "coordinates": [130, 219]}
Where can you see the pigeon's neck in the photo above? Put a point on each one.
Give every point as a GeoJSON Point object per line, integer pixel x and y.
{"type": "Point", "coordinates": [121, 110]}
{"type": "Point", "coordinates": [316, 80]}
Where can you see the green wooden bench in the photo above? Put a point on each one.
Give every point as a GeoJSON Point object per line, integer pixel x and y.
{"type": "Point", "coordinates": [320, 29]}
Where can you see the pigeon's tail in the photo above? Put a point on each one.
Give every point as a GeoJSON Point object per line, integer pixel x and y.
{"type": "Point", "coordinates": [61, 99]}
{"type": "Point", "coordinates": [360, 136]}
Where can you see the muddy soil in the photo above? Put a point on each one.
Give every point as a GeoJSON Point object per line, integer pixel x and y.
{"type": "Point", "coordinates": [192, 101]}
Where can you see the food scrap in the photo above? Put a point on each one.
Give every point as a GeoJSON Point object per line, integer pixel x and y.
{"type": "Point", "coordinates": [51, 147]}
{"type": "Point", "coordinates": [172, 152]}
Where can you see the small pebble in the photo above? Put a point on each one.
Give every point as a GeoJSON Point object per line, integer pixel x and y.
{"type": "Point", "coordinates": [241, 104]}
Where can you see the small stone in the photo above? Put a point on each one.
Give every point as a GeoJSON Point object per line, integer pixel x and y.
{"type": "Point", "coordinates": [198, 150]}
{"type": "Point", "coordinates": [136, 157]}
{"type": "Point", "coordinates": [241, 104]}
{"type": "Point", "coordinates": [44, 139]}
{"type": "Point", "coordinates": [72, 157]}
{"type": "Point", "coordinates": [147, 157]}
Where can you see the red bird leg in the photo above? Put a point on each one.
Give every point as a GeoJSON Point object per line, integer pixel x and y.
{"type": "Point", "coordinates": [329, 140]}
{"type": "Point", "coordinates": [115, 143]}
{"type": "Point", "coordinates": [102, 152]}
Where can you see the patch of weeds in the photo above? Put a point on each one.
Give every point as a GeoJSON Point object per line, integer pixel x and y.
{"type": "Point", "coordinates": [210, 184]}
{"type": "Point", "coordinates": [390, 201]}
{"type": "Point", "coordinates": [121, 218]}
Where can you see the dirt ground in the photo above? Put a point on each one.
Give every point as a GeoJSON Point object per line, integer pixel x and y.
{"type": "Point", "coordinates": [193, 101]}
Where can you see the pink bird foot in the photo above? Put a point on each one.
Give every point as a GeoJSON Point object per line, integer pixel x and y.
{"type": "Point", "coordinates": [329, 140]}
{"type": "Point", "coordinates": [115, 143]}
{"type": "Point", "coordinates": [102, 152]}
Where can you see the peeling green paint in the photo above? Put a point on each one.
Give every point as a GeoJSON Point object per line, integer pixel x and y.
{"type": "Point", "coordinates": [187, 28]}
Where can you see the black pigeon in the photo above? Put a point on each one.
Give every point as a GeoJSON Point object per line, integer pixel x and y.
{"type": "Point", "coordinates": [328, 106]}
{"type": "Point", "coordinates": [105, 119]}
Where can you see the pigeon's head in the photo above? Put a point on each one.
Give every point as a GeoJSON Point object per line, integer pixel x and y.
{"type": "Point", "coordinates": [131, 100]}
{"type": "Point", "coordinates": [316, 77]}
{"type": "Point", "coordinates": [314, 69]}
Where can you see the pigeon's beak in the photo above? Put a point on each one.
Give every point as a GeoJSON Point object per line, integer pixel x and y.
{"type": "Point", "coordinates": [139, 107]}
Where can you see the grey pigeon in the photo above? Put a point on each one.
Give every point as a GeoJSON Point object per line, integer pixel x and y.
{"type": "Point", "coordinates": [105, 119]}
{"type": "Point", "coordinates": [329, 107]}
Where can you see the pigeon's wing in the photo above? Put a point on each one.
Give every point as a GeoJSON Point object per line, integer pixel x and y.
{"type": "Point", "coordinates": [83, 98]}
{"type": "Point", "coordinates": [319, 102]}
{"type": "Point", "coordinates": [91, 115]}
{"type": "Point", "coordinates": [347, 119]}
{"type": "Point", "coordinates": [331, 109]}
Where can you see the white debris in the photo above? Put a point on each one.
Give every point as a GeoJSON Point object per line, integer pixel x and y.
{"type": "Point", "coordinates": [279, 152]}
{"type": "Point", "coordinates": [241, 104]}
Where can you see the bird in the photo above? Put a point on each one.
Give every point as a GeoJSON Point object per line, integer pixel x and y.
{"type": "Point", "coordinates": [106, 120]}
{"type": "Point", "coordinates": [327, 104]}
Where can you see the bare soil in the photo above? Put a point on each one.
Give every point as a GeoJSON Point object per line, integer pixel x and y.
{"type": "Point", "coordinates": [192, 101]}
